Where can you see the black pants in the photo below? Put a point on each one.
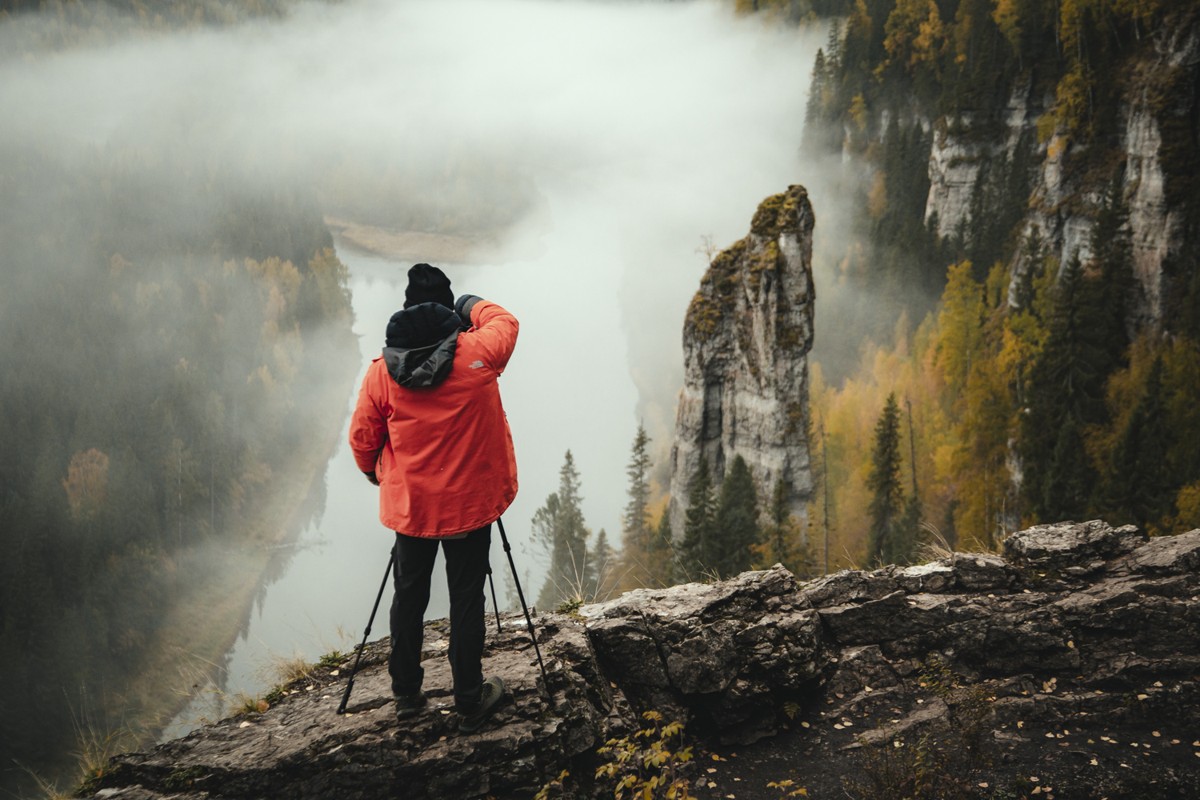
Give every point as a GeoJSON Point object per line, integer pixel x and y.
{"type": "Point", "coordinates": [466, 570]}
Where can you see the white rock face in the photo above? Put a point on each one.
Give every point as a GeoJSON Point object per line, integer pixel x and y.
{"type": "Point", "coordinates": [746, 341]}
{"type": "Point", "coordinates": [1064, 200]}
{"type": "Point", "coordinates": [1152, 225]}
{"type": "Point", "coordinates": [957, 158]}
{"type": "Point", "coordinates": [953, 170]}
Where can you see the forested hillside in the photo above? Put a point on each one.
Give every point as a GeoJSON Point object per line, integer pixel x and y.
{"type": "Point", "coordinates": [1022, 263]}
{"type": "Point", "coordinates": [1008, 286]}
{"type": "Point", "coordinates": [176, 357]}
{"type": "Point", "coordinates": [161, 389]}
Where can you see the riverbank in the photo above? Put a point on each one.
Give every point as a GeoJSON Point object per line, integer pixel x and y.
{"type": "Point", "coordinates": [220, 584]}
{"type": "Point", "coordinates": [402, 244]}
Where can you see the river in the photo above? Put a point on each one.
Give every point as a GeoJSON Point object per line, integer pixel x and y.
{"type": "Point", "coordinates": [327, 581]}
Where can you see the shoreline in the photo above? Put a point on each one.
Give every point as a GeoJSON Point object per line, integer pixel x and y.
{"type": "Point", "coordinates": [402, 245]}
{"type": "Point", "coordinates": [205, 625]}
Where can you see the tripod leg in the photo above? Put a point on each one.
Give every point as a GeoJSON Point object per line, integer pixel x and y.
{"type": "Point", "coordinates": [354, 670]}
{"type": "Point", "coordinates": [520, 594]}
{"type": "Point", "coordinates": [495, 605]}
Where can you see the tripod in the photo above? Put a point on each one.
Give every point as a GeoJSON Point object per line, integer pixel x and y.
{"type": "Point", "coordinates": [520, 594]}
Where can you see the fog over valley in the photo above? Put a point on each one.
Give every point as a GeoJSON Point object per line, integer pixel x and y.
{"type": "Point", "coordinates": [580, 161]}
{"type": "Point", "coordinates": [629, 133]}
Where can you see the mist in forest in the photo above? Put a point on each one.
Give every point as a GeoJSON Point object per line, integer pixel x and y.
{"type": "Point", "coordinates": [598, 150]}
{"type": "Point", "coordinates": [633, 134]}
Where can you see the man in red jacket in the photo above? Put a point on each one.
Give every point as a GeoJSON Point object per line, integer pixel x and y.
{"type": "Point", "coordinates": [430, 431]}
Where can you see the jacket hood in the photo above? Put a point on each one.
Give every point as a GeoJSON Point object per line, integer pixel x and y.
{"type": "Point", "coordinates": [423, 353]}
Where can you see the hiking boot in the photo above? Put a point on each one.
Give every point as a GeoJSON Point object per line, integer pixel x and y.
{"type": "Point", "coordinates": [409, 705]}
{"type": "Point", "coordinates": [491, 697]}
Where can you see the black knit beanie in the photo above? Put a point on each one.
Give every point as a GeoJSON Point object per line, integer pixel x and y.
{"type": "Point", "coordinates": [427, 284]}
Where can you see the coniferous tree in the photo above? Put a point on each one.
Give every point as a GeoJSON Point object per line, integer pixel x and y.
{"type": "Point", "coordinates": [636, 534]}
{"type": "Point", "coordinates": [1064, 397]}
{"type": "Point", "coordinates": [662, 553]}
{"type": "Point", "coordinates": [884, 484]}
{"type": "Point", "coordinates": [697, 550]}
{"type": "Point", "coordinates": [902, 549]}
{"type": "Point", "coordinates": [1139, 487]}
{"type": "Point", "coordinates": [559, 528]}
{"type": "Point", "coordinates": [737, 521]}
{"type": "Point", "coordinates": [1113, 289]}
{"type": "Point", "coordinates": [781, 540]}
{"type": "Point", "coordinates": [602, 565]}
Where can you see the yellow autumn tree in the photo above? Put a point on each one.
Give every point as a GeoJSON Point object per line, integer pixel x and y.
{"type": "Point", "coordinates": [86, 484]}
{"type": "Point", "coordinates": [960, 326]}
{"type": "Point", "coordinates": [913, 35]}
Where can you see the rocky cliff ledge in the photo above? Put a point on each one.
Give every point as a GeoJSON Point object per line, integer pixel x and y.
{"type": "Point", "coordinates": [746, 340]}
{"type": "Point", "coordinates": [1067, 669]}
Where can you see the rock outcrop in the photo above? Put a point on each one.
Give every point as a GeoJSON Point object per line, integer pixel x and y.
{"type": "Point", "coordinates": [746, 340]}
{"type": "Point", "coordinates": [1154, 143]}
{"type": "Point", "coordinates": [1067, 669]}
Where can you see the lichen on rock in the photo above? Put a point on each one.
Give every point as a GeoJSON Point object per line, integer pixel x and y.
{"type": "Point", "coordinates": [746, 340]}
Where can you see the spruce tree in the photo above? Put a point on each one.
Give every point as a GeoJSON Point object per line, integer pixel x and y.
{"type": "Point", "coordinates": [696, 551]}
{"type": "Point", "coordinates": [1065, 396]}
{"type": "Point", "coordinates": [1140, 487]}
{"type": "Point", "coordinates": [737, 521]}
{"type": "Point", "coordinates": [884, 484]}
{"type": "Point", "coordinates": [559, 528]}
{"type": "Point", "coordinates": [602, 565]}
{"type": "Point", "coordinates": [781, 541]}
{"type": "Point", "coordinates": [1113, 291]}
{"type": "Point", "coordinates": [636, 535]}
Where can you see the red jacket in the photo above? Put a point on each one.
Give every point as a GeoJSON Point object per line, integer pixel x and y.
{"type": "Point", "coordinates": [443, 454]}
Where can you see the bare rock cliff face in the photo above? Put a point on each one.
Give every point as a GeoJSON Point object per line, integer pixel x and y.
{"type": "Point", "coordinates": [746, 340]}
{"type": "Point", "coordinates": [1155, 140]}
{"type": "Point", "coordinates": [1069, 668]}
